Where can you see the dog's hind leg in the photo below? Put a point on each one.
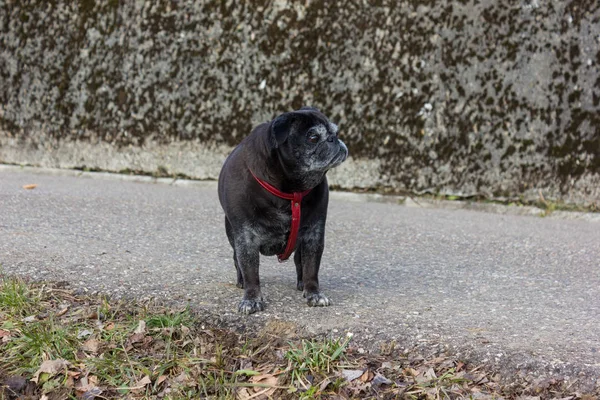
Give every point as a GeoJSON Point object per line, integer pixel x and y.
{"type": "Point", "coordinates": [229, 231]}
{"type": "Point", "coordinates": [298, 262]}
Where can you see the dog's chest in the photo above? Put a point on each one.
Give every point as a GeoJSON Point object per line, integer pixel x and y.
{"type": "Point", "coordinates": [274, 231]}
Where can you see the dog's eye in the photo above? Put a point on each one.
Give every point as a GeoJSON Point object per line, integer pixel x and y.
{"type": "Point", "coordinates": [314, 138]}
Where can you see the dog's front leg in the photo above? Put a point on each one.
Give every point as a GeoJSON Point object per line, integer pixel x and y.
{"type": "Point", "coordinates": [311, 249]}
{"type": "Point", "coordinates": [248, 256]}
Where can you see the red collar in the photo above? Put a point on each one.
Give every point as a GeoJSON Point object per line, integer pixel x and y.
{"type": "Point", "coordinates": [296, 198]}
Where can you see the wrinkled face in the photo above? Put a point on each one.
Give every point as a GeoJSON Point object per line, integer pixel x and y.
{"type": "Point", "coordinates": [311, 143]}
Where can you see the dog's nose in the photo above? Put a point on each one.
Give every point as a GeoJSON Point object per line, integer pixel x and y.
{"type": "Point", "coordinates": [343, 147]}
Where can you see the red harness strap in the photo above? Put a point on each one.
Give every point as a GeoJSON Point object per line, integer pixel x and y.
{"type": "Point", "coordinates": [296, 199]}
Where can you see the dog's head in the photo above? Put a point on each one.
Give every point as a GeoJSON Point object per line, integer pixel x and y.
{"type": "Point", "coordinates": [307, 141]}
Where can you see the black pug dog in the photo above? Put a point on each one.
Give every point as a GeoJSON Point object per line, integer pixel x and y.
{"type": "Point", "coordinates": [274, 193]}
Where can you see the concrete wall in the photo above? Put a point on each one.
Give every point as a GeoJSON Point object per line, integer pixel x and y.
{"type": "Point", "coordinates": [464, 97]}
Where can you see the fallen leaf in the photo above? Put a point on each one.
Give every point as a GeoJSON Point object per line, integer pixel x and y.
{"type": "Point", "coordinates": [62, 312]}
{"type": "Point", "coordinates": [99, 325]}
{"type": "Point", "coordinates": [182, 377]}
{"type": "Point", "coordinates": [161, 379]}
{"type": "Point", "coordinates": [69, 382]}
{"type": "Point", "coordinates": [352, 374]}
{"type": "Point", "coordinates": [136, 338]}
{"type": "Point", "coordinates": [74, 374]}
{"type": "Point", "coordinates": [265, 379]}
{"type": "Point", "coordinates": [245, 365]}
{"type": "Point", "coordinates": [30, 186]}
{"type": "Point", "coordinates": [44, 397]}
{"type": "Point", "coordinates": [51, 367]}
{"type": "Point", "coordinates": [184, 331]}
{"type": "Point", "coordinates": [324, 384]}
{"type": "Point", "coordinates": [141, 384]}
{"type": "Point", "coordinates": [91, 345]}
{"type": "Point", "coordinates": [93, 315]}
{"type": "Point", "coordinates": [4, 336]}
{"type": "Point", "coordinates": [147, 342]}
{"type": "Point", "coordinates": [141, 328]}
{"type": "Point", "coordinates": [110, 326]}
{"type": "Point", "coordinates": [379, 380]}
{"type": "Point", "coordinates": [243, 394]}
{"type": "Point", "coordinates": [367, 376]}
{"type": "Point", "coordinates": [82, 385]}
{"type": "Point", "coordinates": [430, 374]}
{"type": "Point", "coordinates": [92, 393]}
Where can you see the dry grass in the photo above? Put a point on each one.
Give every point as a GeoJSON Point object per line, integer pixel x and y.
{"type": "Point", "coordinates": [58, 345]}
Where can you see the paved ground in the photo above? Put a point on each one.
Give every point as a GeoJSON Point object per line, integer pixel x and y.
{"type": "Point", "coordinates": [521, 293]}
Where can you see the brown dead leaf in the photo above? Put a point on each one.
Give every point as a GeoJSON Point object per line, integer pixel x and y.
{"type": "Point", "coordinates": [74, 374]}
{"type": "Point", "coordinates": [91, 345]}
{"type": "Point", "coordinates": [182, 377]}
{"type": "Point", "coordinates": [110, 326]}
{"type": "Point", "coordinates": [148, 340]}
{"type": "Point", "coordinates": [144, 381]}
{"type": "Point", "coordinates": [367, 376]}
{"type": "Point", "coordinates": [141, 328]}
{"type": "Point", "coordinates": [430, 374]}
{"type": "Point", "coordinates": [141, 384]}
{"type": "Point", "coordinates": [135, 338]}
{"type": "Point", "coordinates": [5, 336]}
{"type": "Point", "coordinates": [92, 393]}
{"type": "Point", "coordinates": [161, 379]}
{"type": "Point", "coordinates": [62, 312]}
{"type": "Point", "coordinates": [51, 367]}
{"type": "Point", "coordinates": [243, 394]}
{"type": "Point", "coordinates": [30, 186]}
{"type": "Point", "coordinates": [352, 374]}
{"type": "Point", "coordinates": [265, 379]}
{"type": "Point", "coordinates": [70, 382]}
{"type": "Point", "coordinates": [324, 384]}
{"type": "Point", "coordinates": [184, 331]}
{"type": "Point", "coordinates": [93, 315]}
{"type": "Point", "coordinates": [82, 385]}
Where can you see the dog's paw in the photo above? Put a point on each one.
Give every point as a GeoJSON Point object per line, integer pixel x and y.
{"type": "Point", "coordinates": [317, 300]}
{"type": "Point", "coordinates": [250, 306]}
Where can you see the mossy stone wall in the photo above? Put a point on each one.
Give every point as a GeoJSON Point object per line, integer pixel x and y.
{"type": "Point", "coordinates": [462, 97]}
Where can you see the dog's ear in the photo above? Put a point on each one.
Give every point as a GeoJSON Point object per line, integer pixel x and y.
{"type": "Point", "coordinates": [280, 129]}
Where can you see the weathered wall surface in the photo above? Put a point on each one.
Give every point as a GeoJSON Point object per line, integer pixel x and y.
{"type": "Point", "coordinates": [468, 97]}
